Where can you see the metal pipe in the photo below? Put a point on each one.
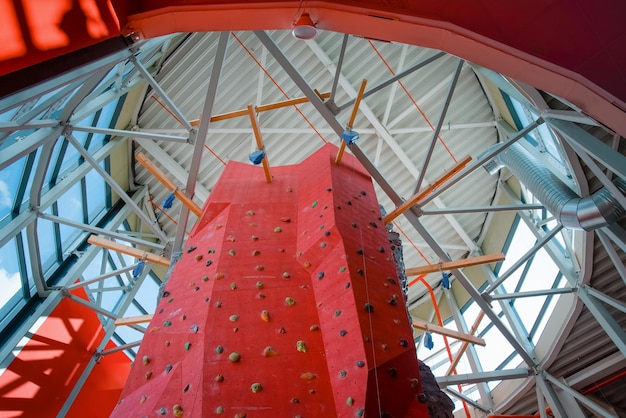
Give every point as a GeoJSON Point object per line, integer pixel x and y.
{"type": "Point", "coordinates": [588, 213]}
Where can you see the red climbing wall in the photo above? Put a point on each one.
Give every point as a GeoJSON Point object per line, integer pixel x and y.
{"type": "Point", "coordinates": [285, 303]}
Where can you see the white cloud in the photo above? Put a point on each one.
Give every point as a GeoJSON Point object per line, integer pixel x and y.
{"type": "Point", "coordinates": [9, 283]}
{"type": "Point", "coordinates": [5, 195]}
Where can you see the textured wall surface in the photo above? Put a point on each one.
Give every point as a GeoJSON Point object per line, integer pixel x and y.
{"type": "Point", "coordinates": [285, 303]}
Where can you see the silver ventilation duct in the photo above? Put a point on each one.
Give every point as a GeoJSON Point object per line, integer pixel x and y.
{"type": "Point", "coordinates": [588, 213]}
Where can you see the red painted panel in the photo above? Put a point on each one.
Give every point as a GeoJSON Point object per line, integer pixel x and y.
{"type": "Point", "coordinates": [41, 377]}
{"type": "Point", "coordinates": [296, 277]}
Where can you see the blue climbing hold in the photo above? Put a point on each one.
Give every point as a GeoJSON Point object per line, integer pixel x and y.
{"type": "Point", "coordinates": [445, 280]}
{"type": "Point", "coordinates": [350, 136]}
{"type": "Point", "coordinates": [428, 341]}
{"type": "Point", "coordinates": [167, 203]}
{"type": "Point", "coordinates": [138, 269]}
{"type": "Point", "coordinates": [257, 156]}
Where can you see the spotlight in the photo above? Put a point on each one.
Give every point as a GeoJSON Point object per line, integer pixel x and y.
{"type": "Point", "coordinates": [304, 28]}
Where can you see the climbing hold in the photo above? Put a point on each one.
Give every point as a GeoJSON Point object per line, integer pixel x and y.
{"type": "Point", "coordinates": [360, 272]}
{"type": "Point", "coordinates": [259, 267]}
{"type": "Point", "coordinates": [233, 285]}
{"type": "Point", "coordinates": [168, 368]}
{"type": "Point", "coordinates": [146, 360]}
{"type": "Point", "coordinates": [343, 332]}
{"type": "Point", "coordinates": [393, 372]}
{"type": "Point", "coordinates": [314, 328]}
{"type": "Point", "coordinates": [143, 399]}
{"type": "Point", "coordinates": [391, 280]}
{"type": "Point", "coordinates": [194, 328]}
{"type": "Point", "coordinates": [170, 300]}
{"type": "Point", "coordinates": [337, 313]}
{"type": "Point", "coordinates": [397, 322]}
{"type": "Point", "coordinates": [218, 304]}
{"type": "Point", "coordinates": [326, 233]}
{"type": "Point", "coordinates": [350, 401]}
{"type": "Point", "coordinates": [218, 226]}
{"type": "Point", "coordinates": [295, 400]}
{"type": "Point", "coordinates": [403, 342]}
{"type": "Point", "coordinates": [234, 318]}
{"type": "Point", "coordinates": [360, 363]}
{"type": "Point", "coordinates": [199, 257]}
{"type": "Point", "coordinates": [298, 254]}
{"type": "Point", "coordinates": [230, 238]}
{"type": "Point", "coordinates": [205, 278]}
{"type": "Point", "coordinates": [308, 376]}
{"type": "Point", "coordinates": [286, 275]}
{"type": "Point", "coordinates": [265, 316]}
{"type": "Point", "coordinates": [269, 351]}
{"type": "Point", "coordinates": [256, 387]}
{"type": "Point", "coordinates": [260, 285]}
{"type": "Point", "coordinates": [342, 269]}
{"type": "Point", "coordinates": [191, 248]}
{"type": "Point", "coordinates": [278, 229]}
{"type": "Point", "coordinates": [367, 339]}
{"type": "Point", "coordinates": [148, 375]}
{"type": "Point", "coordinates": [219, 378]}
{"type": "Point", "coordinates": [260, 295]}
{"type": "Point", "coordinates": [321, 226]}
{"type": "Point", "coordinates": [359, 413]}
{"type": "Point", "coordinates": [307, 264]}
{"type": "Point", "coordinates": [285, 219]}
{"type": "Point", "coordinates": [301, 346]}
{"type": "Point", "coordinates": [314, 204]}
{"type": "Point", "coordinates": [231, 252]}
{"type": "Point", "coordinates": [219, 349]}
{"type": "Point", "coordinates": [234, 357]}
{"type": "Point", "coordinates": [165, 294]}
{"type": "Point", "coordinates": [167, 323]}
{"type": "Point", "coordinates": [177, 410]}
{"type": "Point", "coordinates": [381, 249]}
{"type": "Point", "coordinates": [254, 238]}
{"type": "Point", "coordinates": [385, 347]}
{"type": "Point", "coordinates": [219, 410]}
{"type": "Point", "coordinates": [392, 301]}
{"type": "Point", "coordinates": [187, 346]}
{"type": "Point", "coordinates": [322, 244]}
{"type": "Point", "coordinates": [347, 285]}
{"type": "Point", "coordinates": [256, 157]}
{"type": "Point", "coordinates": [290, 301]}
{"type": "Point", "coordinates": [343, 373]}
{"type": "Point", "coordinates": [186, 388]}
{"type": "Point", "coordinates": [211, 251]}
{"type": "Point", "coordinates": [250, 212]}
{"type": "Point", "coordinates": [162, 411]}
{"type": "Point", "coordinates": [368, 307]}
{"type": "Point", "coordinates": [359, 251]}
{"type": "Point", "coordinates": [256, 252]}
{"type": "Point", "coordinates": [219, 275]}
{"type": "Point", "coordinates": [253, 224]}
{"type": "Point", "coordinates": [167, 343]}
{"type": "Point", "coordinates": [208, 263]}
{"type": "Point", "coordinates": [320, 275]}
{"type": "Point", "coordinates": [354, 225]}
{"type": "Point", "coordinates": [281, 330]}
{"type": "Point", "coordinates": [414, 382]}
{"type": "Point", "coordinates": [349, 203]}
{"type": "Point", "coordinates": [373, 224]}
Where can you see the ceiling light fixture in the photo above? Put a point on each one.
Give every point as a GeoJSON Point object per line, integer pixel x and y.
{"type": "Point", "coordinates": [304, 28]}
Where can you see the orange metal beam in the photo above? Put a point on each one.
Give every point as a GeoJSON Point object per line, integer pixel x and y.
{"type": "Point", "coordinates": [355, 109]}
{"type": "Point", "coordinates": [450, 265]}
{"type": "Point", "coordinates": [259, 141]}
{"type": "Point", "coordinates": [423, 325]}
{"type": "Point", "coordinates": [125, 249]}
{"type": "Point", "coordinates": [169, 184]}
{"type": "Point", "coordinates": [426, 191]}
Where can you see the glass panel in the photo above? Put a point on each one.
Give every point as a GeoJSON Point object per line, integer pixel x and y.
{"type": "Point", "coordinates": [47, 242]}
{"type": "Point", "coordinates": [9, 182]}
{"type": "Point", "coordinates": [96, 192]}
{"type": "Point", "coordinates": [10, 280]}
{"type": "Point", "coordinates": [71, 207]}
